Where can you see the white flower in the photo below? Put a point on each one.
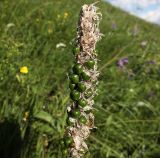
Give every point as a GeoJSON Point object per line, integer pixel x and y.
{"type": "Point", "coordinates": [10, 25]}
{"type": "Point", "coordinates": [59, 45]}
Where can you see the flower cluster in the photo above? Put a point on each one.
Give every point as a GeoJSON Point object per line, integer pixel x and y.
{"type": "Point", "coordinates": [122, 62]}
{"type": "Point", "coordinates": [83, 81]}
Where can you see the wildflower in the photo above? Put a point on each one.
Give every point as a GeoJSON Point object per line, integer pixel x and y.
{"type": "Point", "coordinates": [122, 62]}
{"type": "Point", "coordinates": [50, 31]}
{"type": "Point", "coordinates": [10, 25]}
{"type": "Point", "coordinates": [59, 45]}
{"type": "Point", "coordinates": [83, 82]}
{"type": "Point", "coordinates": [24, 70]}
{"type": "Point", "coordinates": [26, 115]}
{"type": "Point", "coordinates": [65, 15]}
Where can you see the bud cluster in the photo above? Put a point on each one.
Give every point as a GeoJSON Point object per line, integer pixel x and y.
{"type": "Point", "coordinates": [83, 82]}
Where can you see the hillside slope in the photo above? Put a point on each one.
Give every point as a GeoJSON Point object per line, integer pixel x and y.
{"type": "Point", "coordinates": [33, 105]}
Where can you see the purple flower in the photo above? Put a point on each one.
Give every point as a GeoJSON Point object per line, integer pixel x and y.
{"type": "Point", "coordinates": [122, 62]}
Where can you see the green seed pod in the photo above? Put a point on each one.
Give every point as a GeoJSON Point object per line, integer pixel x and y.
{"type": "Point", "coordinates": [78, 68]}
{"type": "Point", "coordinates": [90, 64]}
{"type": "Point", "coordinates": [83, 120]}
{"type": "Point", "coordinates": [85, 76]}
{"type": "Point", "coordinates": [68, 141]}
{"type": "Point", "coordinates": [76, 113]}
{"type": "Point", "coordinates": [74, 78]}
{"type": "Point", "coordinates": [81, 87]}
{"type": "Point", "coordinates": [82, 103]}
{"type": "Point", "coordinates": [75, 95]}
{"type": "Point", "coordinates": [76, 50]}
{"type": "Point", "coordinates": [72, 86]}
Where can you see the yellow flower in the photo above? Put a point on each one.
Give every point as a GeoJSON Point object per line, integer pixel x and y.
{"type": "Point", "coordinates": [24, 70]}
{"type": "Point", "coordinates": [65, 15]}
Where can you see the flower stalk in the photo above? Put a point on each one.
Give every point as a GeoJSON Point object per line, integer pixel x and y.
{"type": "Point", "coordinates": [83, 82]}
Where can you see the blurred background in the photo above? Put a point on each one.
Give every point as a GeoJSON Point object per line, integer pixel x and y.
{"type": "Point", "coordinates": [35, 55]}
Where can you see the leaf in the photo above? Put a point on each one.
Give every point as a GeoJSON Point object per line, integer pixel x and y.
{"type": "Point", "coordinates": [44, 116]}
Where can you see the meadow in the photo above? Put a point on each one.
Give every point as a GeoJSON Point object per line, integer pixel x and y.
{"type": "Point", "coordinates": [36, 39]}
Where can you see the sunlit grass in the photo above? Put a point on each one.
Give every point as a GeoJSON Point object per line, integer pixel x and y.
{"type": "Point", "coordinates": [128, 111]}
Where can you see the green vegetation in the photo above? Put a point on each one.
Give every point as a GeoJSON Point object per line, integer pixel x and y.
{"type": "Point", "coordinates": [33, 104]}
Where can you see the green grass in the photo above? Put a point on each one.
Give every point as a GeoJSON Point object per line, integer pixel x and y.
{"type": "Point", "coordinates": [128, 110]}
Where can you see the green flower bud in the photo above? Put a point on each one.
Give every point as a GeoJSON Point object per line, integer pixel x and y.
{"type": "Point", "coordinates": [82, 103]}
{"type": "Point", "coordinates": [78, 68]}
{"type": "Point", "coordinates": [81, 87]}
{"type": "Point", "coordinates": [90, 64]}
{"type": "Point", "coordinates": [83, 120]}
{"type": "Point", "coordinates": [74, 78]}
{"type": "Point", "coordinates": [85, 76]}
{"type": "Point", "coordinates": [76, 113]}
{"type": "Point", "coordinates": [75, 95]}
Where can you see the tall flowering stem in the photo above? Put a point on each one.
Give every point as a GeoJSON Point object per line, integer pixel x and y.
{"type": "Point", "coordinates": [83, 82]}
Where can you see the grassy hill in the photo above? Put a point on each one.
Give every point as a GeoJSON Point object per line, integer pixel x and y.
{"type": "Point", "coordinates": [33, 105]}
